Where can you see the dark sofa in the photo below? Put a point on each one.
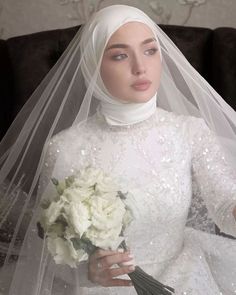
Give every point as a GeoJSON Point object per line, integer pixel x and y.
{"type": "Point", "coordinates": [25, 60]}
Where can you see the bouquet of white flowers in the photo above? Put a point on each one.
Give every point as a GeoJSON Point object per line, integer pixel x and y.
{"type": "Point", "coordinates": [90, 212]}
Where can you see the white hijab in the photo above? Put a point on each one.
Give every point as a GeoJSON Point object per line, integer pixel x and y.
{"type": "Point", "coordinates": [101, 27]}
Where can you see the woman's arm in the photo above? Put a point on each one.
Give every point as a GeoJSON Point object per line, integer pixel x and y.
{"type": "Point", "coordinates": [213, 175]}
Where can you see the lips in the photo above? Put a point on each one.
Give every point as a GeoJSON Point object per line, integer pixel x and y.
{"type": "Point", "coordinates": [141, 85]}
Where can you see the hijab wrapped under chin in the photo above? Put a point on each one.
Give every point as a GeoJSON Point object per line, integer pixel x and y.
{"type": "Point", "coordinates": [96, 35]}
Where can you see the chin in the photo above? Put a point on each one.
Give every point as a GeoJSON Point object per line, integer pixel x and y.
{"type": "Point", "coordinates": [143, 98]}
{"type": "Point", "coordinates": [138, 96]}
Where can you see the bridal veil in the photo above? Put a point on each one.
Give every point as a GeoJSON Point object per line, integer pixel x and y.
{"type": "Point", "coordinates": [68, 95]}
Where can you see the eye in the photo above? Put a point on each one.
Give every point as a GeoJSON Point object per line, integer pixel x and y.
{"type": "Point", "coordinates": [118, 57]}
{"type": "Point", "coordinates": [151, 51]}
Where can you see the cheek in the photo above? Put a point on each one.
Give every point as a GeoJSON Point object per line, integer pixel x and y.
{"type": "Point", "coordinates": [112, 77]}
{"type": "Point", "coordinates": [156, 73]}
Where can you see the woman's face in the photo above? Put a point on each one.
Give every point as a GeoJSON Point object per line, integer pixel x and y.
{"type": "Point", "coordinates": [131, 64]}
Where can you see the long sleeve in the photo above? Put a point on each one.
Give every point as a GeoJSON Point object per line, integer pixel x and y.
{"type": "Point", "coordinates": [215, 179]}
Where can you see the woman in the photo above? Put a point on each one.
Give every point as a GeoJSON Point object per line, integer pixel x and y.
{"type": "Point", "coordinates": [129, 66]}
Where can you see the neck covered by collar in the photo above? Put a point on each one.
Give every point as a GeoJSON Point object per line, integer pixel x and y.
{"type": "Point", "coordinates": [127, 113]}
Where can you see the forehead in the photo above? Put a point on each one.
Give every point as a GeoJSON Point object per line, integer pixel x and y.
{"type": "Point", "coordinates": [131, 32]}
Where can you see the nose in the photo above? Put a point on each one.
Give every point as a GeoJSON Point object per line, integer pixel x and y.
{"type": "Point", "coordinates": [138, 66]}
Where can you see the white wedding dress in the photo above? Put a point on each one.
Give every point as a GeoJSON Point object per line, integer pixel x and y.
{"type": "Point", "coordinates": [160, 161]}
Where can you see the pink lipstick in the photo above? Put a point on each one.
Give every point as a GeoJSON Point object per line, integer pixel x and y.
{"type": "Point", "coordinates": [141, 85]}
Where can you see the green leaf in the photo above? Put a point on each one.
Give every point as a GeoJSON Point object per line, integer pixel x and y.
{"type": "Point", "coordinates": [55, 181]}
{"type": "Point", "coordinates": [121, 195]}
{"type": "Point", "coordinates": [76, 243]}
{"type": "Point", "coordinates": [84, 244]}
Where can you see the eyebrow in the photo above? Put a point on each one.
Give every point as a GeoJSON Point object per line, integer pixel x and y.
{"type": "Point", "coordinates": [149, 40]}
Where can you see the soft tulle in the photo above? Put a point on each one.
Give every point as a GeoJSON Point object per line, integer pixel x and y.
{"type": "Point", "coordinates": [159, 161]}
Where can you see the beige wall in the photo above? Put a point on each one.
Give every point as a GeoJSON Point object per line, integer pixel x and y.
{"type": "Point", "coordinates": [19, 17]}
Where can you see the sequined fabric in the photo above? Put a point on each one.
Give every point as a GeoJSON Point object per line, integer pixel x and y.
{"type": "Point", "coordinates": [163, 162]}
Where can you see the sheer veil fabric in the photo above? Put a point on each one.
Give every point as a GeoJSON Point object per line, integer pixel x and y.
{"type": "Point", "coordinates": [71, 92]}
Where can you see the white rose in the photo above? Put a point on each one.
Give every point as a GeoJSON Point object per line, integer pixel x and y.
{"type": "Point", "coordinates": [107, 216]}
{"type": "Point", "coordinates": [78, 216]}
{"type": "Point", "coordinates": [109, 239]}
{"type": "Point", "coordinates": [106, 213]}
{"type": "Point", "coordinates": [64, 252]}
{"type": "Point", "coordinates": [60, 250]}
{"type": "Point", "coordinates": [109, 196]}
{"type": "Point", "coordinates": [106, 184]}
{"type": "Point", "coordinates": [76, 194]}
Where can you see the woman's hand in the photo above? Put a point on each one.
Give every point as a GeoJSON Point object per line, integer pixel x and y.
{"type": "Point", "coordinates": [101, 270]}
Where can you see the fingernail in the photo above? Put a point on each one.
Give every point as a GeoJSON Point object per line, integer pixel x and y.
{"type": "Point", "coordinates": [130, 262]}
{"type": "Point", "coordinates": [120, 250]}
{"type": "Point", "coordinates": [132, 267]}
{"type": "Point", "coordinates": [131, 256]}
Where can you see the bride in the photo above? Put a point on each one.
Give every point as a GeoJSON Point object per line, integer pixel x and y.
{"type": "Point", "coordinates": [151, 121]}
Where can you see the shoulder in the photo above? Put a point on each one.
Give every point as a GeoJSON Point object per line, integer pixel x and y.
{"type": "Point", "coordinates": [190, 127]}
{"type": "Point", "coordinates": [71, 136]}
{"type": "Point", "coordinates": [62, 148]}
{"type": "Point", "coordinates": [185, 121]}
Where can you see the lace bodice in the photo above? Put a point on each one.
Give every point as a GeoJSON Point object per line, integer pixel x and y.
{"type": "Point", "coordinates": [160, 161]}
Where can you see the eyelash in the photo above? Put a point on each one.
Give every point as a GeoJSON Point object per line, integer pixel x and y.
{"type": "Point", "coordinates": [152, 50]}
{"type": "Point", "coordinates": [122, 56]}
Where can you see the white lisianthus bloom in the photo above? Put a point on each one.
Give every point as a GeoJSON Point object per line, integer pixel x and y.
{"type": "Point", "coordinates": [78, 216]}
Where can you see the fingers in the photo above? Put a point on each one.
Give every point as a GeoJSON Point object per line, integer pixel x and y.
{"type": "Point", "coordinates": [108, 261]}
{"type": "Point", "coordinates": [130, 262]}
{"type": "Point", "coordinates": [112, 257]}
{"type": "Point", "coordinates": [117, 282]}
{"type": "Point", "coordinates": [108, 278]}
{"type": "Point", "coordinates": [115, 272]}
{"type": "Point", "coordinates": [102, 253]}
{"type": "Point", "coordinates": [100, 268]}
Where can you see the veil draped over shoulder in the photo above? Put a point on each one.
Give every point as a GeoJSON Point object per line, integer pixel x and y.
{"type": "Point", "coordinates": [56, 105]}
